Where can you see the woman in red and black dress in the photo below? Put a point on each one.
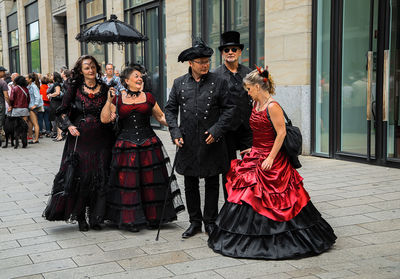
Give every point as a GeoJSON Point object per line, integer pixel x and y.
{"type": "Point", "coordinates": [268, 214]}
{"type": "Point", "coordinates": [139, 175]}
{"type": "Point", "coordinates": [79, 114]}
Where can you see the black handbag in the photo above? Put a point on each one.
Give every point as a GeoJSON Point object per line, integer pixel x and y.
{"type": "Point", "coordinates": [293, 142]}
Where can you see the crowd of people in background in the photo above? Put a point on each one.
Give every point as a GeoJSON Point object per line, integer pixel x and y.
{"type": "Point", "coordinates": [35, 97]}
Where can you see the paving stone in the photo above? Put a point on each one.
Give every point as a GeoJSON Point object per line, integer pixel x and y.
{"type": "Point", "coordinates": [158, 248]}
{"type": "Point", "coordinates": [22, 235]}
{"type": "Point", "coordinates": [380, 237]}
{"type": "Point", "coordinates": [16, 223]}
{"type": "Point", "coordinates": [155, 260]}
{"type": "Point", "coordinates": [201, 253]}
{"type": "Point", "coordinates": [147, 273]}
{"type": "Point", "coordinates": [199, 275]}
{"type": "Point", "coordinates": [9, 205]}
{"type": "Point", "coordinates": [93, 239]}
{"type": "Point", "coordinates": [12, 212]}
{"type": "Point", "coordinates": [336, 274]}
{"type": "Point", "coordinates": [50, 238]}
{"type": "Point", "coordinates": [39, 226]}
{"type": "Point", "coordinates": [134, 241]}
{"type": "Point", "coordinates": [386, 205]}
{"type": "Point", "coordinates": [372, 251]}
{"type": "Point", "coordinates": [381, 226]}
{"type": "Point", "coordinates": [385, 215]}
{"type": "Point", "coordinates": [85, 272]}
{"type": "Point", "coordinates": [102, 257]}
{"type": "Point", "coordinates": [274, 276]}
{"type": "Point", "coordinates": [390, 196]}
{"type": "Point", "coordinates": [351, 230]}
{"type": "Point", "coordinates": [37, 268]}
{"type": "Point", "coordinates": [202, 265]}
{"type": "Point", "coordinates": [348, 242]}
{"type": "Point", "coordinates": [349, 220]}
{"type": "Point", "coordinates": [65, 253]}
{"type": "Point", "coordinates": [255, 269]}
{"type": "Point", "coordinates": [28, 250]}
{"type": "Point", "coordinates": [4, 231]}
{"type": "Point", "coordinates": [14, 261]}
{"type": "Point", "coordinates": [302, 272]}
{"type": "Point", "coordinates": [351, 210]}
{"type": "Point", "coordinates": [9, 244]}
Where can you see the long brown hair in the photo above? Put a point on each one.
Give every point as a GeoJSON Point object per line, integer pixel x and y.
{"type": "Point", "coordinates": [77, 77]}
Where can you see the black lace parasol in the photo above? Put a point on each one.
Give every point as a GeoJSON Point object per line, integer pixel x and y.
{"type": "Point", "coordinates": [111, 31]}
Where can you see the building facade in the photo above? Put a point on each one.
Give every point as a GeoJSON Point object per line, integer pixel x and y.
{"type": "Point", "coordinates": [335, 62]}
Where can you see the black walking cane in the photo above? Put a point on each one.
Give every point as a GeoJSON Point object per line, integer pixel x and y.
{"type": "Point", "coordinates": [166, 194]}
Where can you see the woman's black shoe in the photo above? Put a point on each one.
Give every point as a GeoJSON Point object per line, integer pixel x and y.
{"type": "Point", "coordinates": [83, 226]}
{"type": "Point", "coordinates": [132, 228]}
{"type": "Point", "coordinates": [193, 229]}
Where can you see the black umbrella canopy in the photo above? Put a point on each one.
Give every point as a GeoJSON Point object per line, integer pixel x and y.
{"type": "Point", "coordinates": [111, 31]}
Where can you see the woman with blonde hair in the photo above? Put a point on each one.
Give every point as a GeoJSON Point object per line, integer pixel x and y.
{"type": "Point", "coordinates": [268, 214]}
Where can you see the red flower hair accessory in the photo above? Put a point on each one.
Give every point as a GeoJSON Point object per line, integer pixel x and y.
{"type": "Point", "coordinates": [264, 73]}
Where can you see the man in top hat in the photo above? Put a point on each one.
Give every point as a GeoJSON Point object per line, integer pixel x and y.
{"type": "Point", "coordinates": [201, 98]}
{"type": "Point", "coordinates": [3, 96]}
{"type": "Point", "coordinates": [239, 136]}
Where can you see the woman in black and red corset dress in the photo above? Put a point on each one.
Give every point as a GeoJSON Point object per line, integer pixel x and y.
{"type": "Point", "coordinates": [139, 174]}
{"type": "Point", "coordinates": [268, 214]}
{"type": "Point", "coordinates": [79, 114]}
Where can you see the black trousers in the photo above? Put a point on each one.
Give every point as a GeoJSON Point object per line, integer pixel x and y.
{"type": "Point", "coordinates": [192, 193]}
{"type": "Point", "coordinates": [240, 139]}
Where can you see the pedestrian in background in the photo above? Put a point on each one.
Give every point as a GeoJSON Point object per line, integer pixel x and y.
{"type": "Point", "coordinates": [35, 106]}
{"type": "Point", "coordinates": [4, 98]}
{"type": "Point", "coordinates": [44, 117]}
{"type": "Point", "coordinates": [239, 136]}
{"type": "Point", "coordinates": [55, 94]}
{"type": "Point", "coordinates": [202, 100]}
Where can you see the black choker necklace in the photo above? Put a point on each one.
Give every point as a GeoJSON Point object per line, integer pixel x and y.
{"type": "Point", "coordinates": [131, 93]}
{"type": "Point", "coordinates": [90, 87]}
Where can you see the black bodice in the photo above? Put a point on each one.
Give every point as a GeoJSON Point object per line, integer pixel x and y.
{"type": "Point", "coordinates": [136, 128]}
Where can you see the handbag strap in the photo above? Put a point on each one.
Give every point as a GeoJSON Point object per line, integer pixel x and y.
{"type": "Point", "coordinates": [23, 91]}
{"type": "Point", "coordinates": [288, 121]}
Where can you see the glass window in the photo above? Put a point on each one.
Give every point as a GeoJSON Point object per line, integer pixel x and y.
{"type": "Point", "coordinates": [239, 21]}
{"type": "Point", "coordinates": [196, 18]}
{"type": "Point", "coordinates": [34, 56]}
{"type": "Point", "coordinates": [94, 8]}
{"type": "Point", "coordinates": [322, 77]}
{"type": "Point", "coordinates": [135, 3]}
{"type": "Point", "coordinates": [31, 13]}
{"type": "Point", "coordinates": [96, 50]}
{"type": "Point", "coordinates": [33, 31]}
{"type": "Point", "coordinates": [215, 28]}
{"type": "Point", "coordinates": [13, 37]}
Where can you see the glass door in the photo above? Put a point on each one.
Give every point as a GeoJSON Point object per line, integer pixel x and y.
{"type": "Point", "coordinates": [392, 84]}
{"type": "Point", "coordinates": [357, 101]}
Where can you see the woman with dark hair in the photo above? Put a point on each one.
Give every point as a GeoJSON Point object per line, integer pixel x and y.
{"type": "Point", "coordinates": [46, 106]}
{"type": "Point", "coordinates": [90, 140]}
{"type": "Point", "coordinates": [19, 99]}
{"type": "Point", "coordinates": [268, 213]}
{"type": "Point", "coordinates": [55, 94]}
{"type": "Point", "coordinates": [35, 106]}
{"type": "Point", "coordinates": [139, 176]}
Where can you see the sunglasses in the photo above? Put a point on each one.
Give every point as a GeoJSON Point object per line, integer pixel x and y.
{"type": "Point", "coordinates": [234, 49]}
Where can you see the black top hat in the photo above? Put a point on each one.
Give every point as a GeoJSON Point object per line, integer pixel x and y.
{"type": "Point", "coordinates": [198, 50]}
{"type": "Point", "coordinates": [230, 38]}
{"type": "Point", "coordinates": [2, 69]}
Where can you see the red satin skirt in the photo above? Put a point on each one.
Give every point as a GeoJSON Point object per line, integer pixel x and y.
{"type": "Point", "coordinates": [277, 193]}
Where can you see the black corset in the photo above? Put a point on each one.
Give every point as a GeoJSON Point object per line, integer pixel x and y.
{"type": "Point", "coordinates": [136, 128]}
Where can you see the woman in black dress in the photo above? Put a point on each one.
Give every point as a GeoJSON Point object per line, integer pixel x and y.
{"type": "Point", "coordinates": [79, 114]}
{"type": "Point", "coordinates": [139, 174]}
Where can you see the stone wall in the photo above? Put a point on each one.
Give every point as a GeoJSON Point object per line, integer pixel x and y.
{"type": "Point", "coordinates": [288, 56]}
{"type": "Point", "coordinates": [178, 37]}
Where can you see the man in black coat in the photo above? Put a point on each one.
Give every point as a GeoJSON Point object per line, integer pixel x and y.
{"type": "Point", "coordinates": [201, 98]}
{"type": "Point", "coordinates": [239, 137]}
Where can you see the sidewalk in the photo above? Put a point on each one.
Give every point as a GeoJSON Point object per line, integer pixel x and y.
{"type": "Point", "coordinates": [361, 202]}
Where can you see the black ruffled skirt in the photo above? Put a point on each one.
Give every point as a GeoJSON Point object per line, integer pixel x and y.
{"type": "Point", "coordinates": [138, 185]}
{"type": "Point", "coordinates": [241, 232]}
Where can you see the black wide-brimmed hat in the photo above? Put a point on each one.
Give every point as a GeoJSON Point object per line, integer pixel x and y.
{"type": "Point", "coordinates": [230, 38]}
{"type": "Point", "coordinates": [2, 69]}
{"type": "Point", "coordinates": [199, 49]}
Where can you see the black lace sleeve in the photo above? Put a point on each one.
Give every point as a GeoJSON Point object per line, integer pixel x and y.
{"type": "Point", "coordinates": [64, 110]}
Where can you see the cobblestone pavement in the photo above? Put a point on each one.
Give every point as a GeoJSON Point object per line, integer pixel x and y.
{"type": "Point", "coordinates": [361, 202]}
